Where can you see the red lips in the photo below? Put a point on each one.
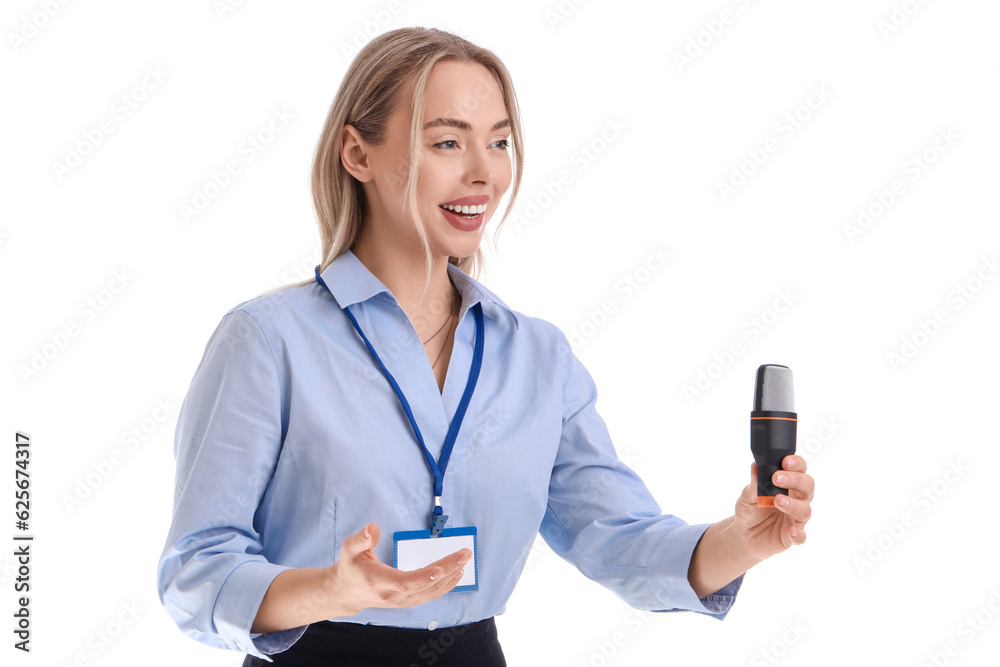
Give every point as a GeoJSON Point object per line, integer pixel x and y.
{"type": "Point", "coordinates": [471, 200]}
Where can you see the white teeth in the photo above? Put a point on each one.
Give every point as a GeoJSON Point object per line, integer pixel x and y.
{"type": "Point", "coordinates": [465, 210]}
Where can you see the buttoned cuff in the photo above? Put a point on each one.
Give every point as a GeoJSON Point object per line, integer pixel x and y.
{"type": "Point", "coordinates": [673, 560]}
{"type": "Point", "coordinates": [236, 608]}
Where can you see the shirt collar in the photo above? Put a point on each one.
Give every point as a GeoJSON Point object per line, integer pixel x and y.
{"type": "Point", "coordinates": [351, 282]}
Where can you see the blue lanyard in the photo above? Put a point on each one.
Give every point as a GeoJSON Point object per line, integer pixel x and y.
{"type": "Point", "coordinates": [438, 518]}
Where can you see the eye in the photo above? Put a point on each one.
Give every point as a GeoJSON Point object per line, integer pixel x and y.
{"type": "Point", "coordinates": [504, 144]}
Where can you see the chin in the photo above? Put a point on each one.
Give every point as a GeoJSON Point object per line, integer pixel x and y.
{"type": "Point", "coordinates": [461, 247]}
{"type": "Point", "coordinates": [462, 253]}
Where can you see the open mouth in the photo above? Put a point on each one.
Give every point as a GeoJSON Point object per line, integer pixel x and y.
{"type": "Point", "coordinates": [466, 212]}
{"type": "Point", "coordinates": [469, 221]}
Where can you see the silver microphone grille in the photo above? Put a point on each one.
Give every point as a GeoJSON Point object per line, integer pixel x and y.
{"type": "Point", "coordinates": [773, 390]}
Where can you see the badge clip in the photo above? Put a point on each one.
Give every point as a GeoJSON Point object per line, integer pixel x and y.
{"type": "Point", "coordinates": [438, 520]}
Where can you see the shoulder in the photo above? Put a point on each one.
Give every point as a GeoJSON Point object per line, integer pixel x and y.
{"type": "Point", "coordinates": [520, 326]}
{"type": "Point", "coordinates": [267, 321]}
{"type": "Point", "coordinates": [539, 342]}
{"type": "Point", "coordinates": [553, 363]}
{"type": "Point", "coordinates": [541, 330]}
{"type": "Point", "coordinates": [279, 308]}
{"type": "Point", "coordinates": [279, 301]}
{"type": "Point", "coordinates": [533, 339]}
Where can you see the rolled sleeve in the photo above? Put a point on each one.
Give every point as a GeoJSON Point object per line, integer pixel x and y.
{"type": "Point", "coordinates": [212, 575]}
{"type": "Point", "coordinates": [602, 518]}
{"type": "Point", "coordinates": [236, 608]}
{"type": "Point", "coordinates": [673, 560]}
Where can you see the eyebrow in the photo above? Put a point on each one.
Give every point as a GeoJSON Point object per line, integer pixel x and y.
{"type": "Point", "coordinates": [462, 125]}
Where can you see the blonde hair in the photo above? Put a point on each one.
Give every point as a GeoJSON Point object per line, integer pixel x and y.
{"type": "Point", "coordinates": [373, 87]}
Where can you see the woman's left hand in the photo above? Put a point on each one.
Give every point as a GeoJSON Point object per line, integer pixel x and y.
{"type": "Point", "coordinates": [770, 530]}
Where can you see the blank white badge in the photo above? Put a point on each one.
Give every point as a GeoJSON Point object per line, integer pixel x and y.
{"type": "Point", "coordinates": [415, 549]}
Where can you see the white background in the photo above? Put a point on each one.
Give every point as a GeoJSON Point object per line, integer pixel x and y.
{"type": "Point", "coordinates": [901, 553]}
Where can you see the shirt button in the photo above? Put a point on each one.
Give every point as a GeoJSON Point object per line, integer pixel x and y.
{"type": "Point", "coordinates": [239, 646]}
{"type": "Point", "coordinates": [432, 625]}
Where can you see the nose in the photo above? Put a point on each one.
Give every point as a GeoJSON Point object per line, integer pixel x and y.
{"type": "Point", "coordinates": [480, 166]}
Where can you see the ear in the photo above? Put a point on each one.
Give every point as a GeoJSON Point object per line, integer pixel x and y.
{"type": "Point", "coordinates": [354, 154]}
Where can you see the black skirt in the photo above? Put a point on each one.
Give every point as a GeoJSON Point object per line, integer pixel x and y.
{"type": "Point", "coordinates": [330, 644]}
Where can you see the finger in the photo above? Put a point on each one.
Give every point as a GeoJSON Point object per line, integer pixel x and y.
{"type": "Point", "coordinates": [431, 575]}
{"type": "Point", "coordinates": [450, 564]}
{"type": "Point", "coordinates": [444, 586]}
{"type": "Point", "coordinates": [388, 587]}
{"type": "Point", "coordinates": [796, 535]}
{"type": "Point", "coordinates": [416, 597]}
{"type": "Point", "coordinates": [397, 588]}
{"type": "Point", "coordinates": [802, 485]}
{"type": "Point", "coordinates": [794, 462]}
{"type": "Point", "coordinates": [797, 509]}
{"type": "Point", "coordinates": [361, 541]}
{"type": "Point", "coordinates": [453, 561]}
{"type": "Point", "coordinates": [448, 582]}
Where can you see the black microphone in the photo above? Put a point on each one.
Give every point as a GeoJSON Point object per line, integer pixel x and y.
{"type": "Point", "coordinates": [772, 427]}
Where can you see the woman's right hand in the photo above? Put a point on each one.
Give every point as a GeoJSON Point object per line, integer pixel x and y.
{"type": "Point", "coordinates": [300, 596]}
{"type": "Point", "coordinates": [359, 580]}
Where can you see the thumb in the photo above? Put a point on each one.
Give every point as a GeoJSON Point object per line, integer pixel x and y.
{"type": "Point", "coordinates": [361, 541]}
{"type": "Point", "coordinates": [749, 494]}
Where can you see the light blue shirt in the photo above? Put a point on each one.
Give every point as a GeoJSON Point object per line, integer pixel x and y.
{"type": "Point", "coordinates": [290, 439]}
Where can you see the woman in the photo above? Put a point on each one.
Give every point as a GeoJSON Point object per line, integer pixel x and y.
{"type": "Point", "coordinates": [394, 392]}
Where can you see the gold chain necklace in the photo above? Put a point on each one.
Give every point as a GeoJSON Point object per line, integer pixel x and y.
{"type": "Point", "coordinates": [454, 302]}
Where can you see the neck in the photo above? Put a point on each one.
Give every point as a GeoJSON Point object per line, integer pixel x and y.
{"type": "Point", "coordinates": [404, 273]}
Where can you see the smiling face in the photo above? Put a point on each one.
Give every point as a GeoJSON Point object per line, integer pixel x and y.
{"type": "Point", "coordinates": [463, 159]}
